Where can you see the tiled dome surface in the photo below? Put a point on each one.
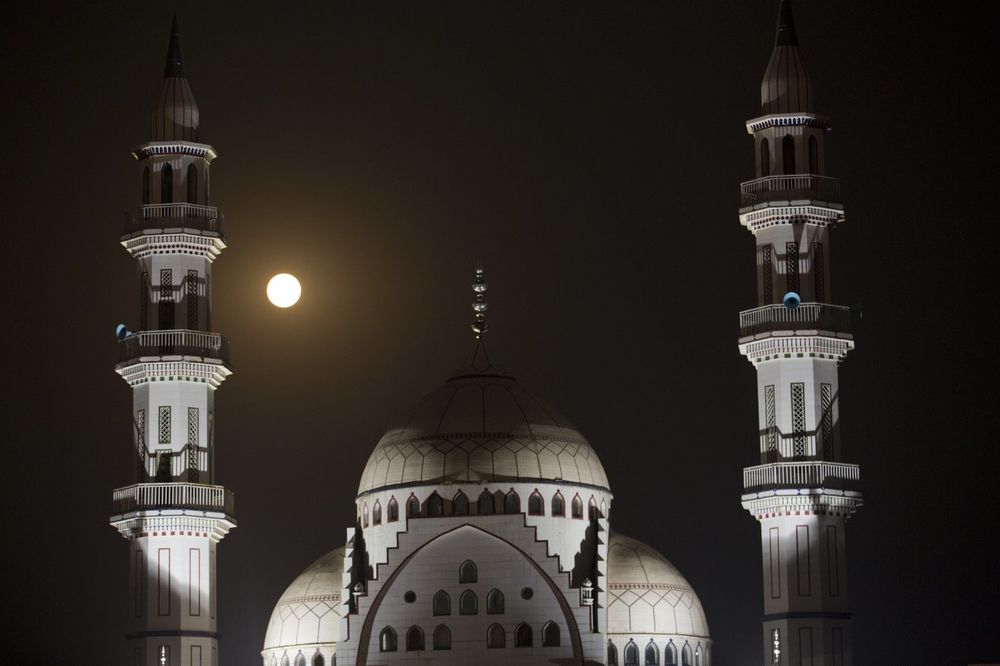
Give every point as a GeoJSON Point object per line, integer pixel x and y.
{"type": "Point", "coordinates": [648, 595]}
{"type": "Point", "coordinates": [308, 613]}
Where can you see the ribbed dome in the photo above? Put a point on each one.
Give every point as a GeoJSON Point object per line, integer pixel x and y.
{"type": "Point", "coordinates": [175, 114]}
{"type": "Point", "coordinates": [308, 613]}
{"type": "Point", "coordinates": [648, 595]}
{"type": "Point", "coordinates": [786, 87]}
{"type": "Point", "coordinates": [482, 426]}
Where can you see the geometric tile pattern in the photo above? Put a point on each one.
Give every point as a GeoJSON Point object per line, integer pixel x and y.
{"type": "Point", "coordinates": [308, 613]}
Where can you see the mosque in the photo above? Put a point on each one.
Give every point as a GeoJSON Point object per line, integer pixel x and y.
{"type": "Point", "coordinates": [483, 528]}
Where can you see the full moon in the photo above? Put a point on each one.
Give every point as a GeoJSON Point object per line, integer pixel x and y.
{"type": "Point", "coordinates": [284, 290]}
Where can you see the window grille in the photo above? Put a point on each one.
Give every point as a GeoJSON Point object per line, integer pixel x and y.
{"type": "Point", "coordinates": [193, 444]}
{"type": "Point", "coordinates": [192, 299]}
{"type": "Point", "coordinates": [163, 425]}
{"type": "Point", "coordinates": [826, 403]}
{"type": "Point", "coordinates": [767, 274]}
{"type": "Point", "coordinates": [771, 431]}
{"type": "Point", "coordinates": [792, 266]}
{"type": "Point", "coordinates": [799, 419]}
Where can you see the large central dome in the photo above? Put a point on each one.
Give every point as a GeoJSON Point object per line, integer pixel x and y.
{"type": "Point", "coordinates": [482, 426]}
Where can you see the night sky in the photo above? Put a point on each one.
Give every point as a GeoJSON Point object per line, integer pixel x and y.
{"type": "Point", "coordinates": [591, 157]}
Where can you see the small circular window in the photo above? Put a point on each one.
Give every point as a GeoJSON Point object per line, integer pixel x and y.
{"type": "Point", "coordinates": [410, 597]}
{"type": "Point", "coordinates": [527, 593]}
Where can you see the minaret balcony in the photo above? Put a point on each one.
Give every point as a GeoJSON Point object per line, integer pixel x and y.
{"type": "Point", "coordinates": [172, 496]}
{"type": "Point", "coordinates": [802, 476]}
{"type": "Point", "coordinates": [805, 319]}
{"type": "Point", "coordinates": [175, 216]}
{"type": "Point", "coordinates": [185, 343]}
{"type": "Point", "coordinates": [790, 190]}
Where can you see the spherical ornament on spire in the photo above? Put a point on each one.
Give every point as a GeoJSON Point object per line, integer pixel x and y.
{"type": "Point", "coordinates": [479, 303]}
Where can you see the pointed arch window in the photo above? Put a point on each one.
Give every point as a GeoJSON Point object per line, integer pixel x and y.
{"type": "Point", "coordinates": [145, 186]}
{"type": "Point", "coordinates": [686, 656]}
{"type": "Point", "coordinates": [442, 638]}
{"type": "Point", "coordinates": [435, 505]}
{"type": "Point", "coordinates": [511, 502]}
{"type": "Point", "coordinates": [670, 655]}
{"type": "Point", "coordinates": [468, 603]}
{"type": "Point", "coordinates": [631, 654]}
{"type": "Point", "coordinates": [392, 510]}
{"type": "Point", "coordinates": [414, 639]}
{"type": "Point", "coordinates": [577, 507]}
{"type": "Point", "coordinates": [813, 156]}
{"type": "Point", "coordinates": [496, 637]}
{"type": "Point", "coordinates": [387, 640]}
{"type": "Point", "coordinates": [412, 507]}
{"type": "Point", "coordinates": [523, 636]}
{"type": "Point", "coordinates": [192, 187]}
{"type": "Point", "coordinates": [468, 572]}
{"type": "Point", "coordinates": [536, 504]}
{"type": "Point", "coordinates": [652, 655]}
{"type": "Point", "coordinates": [442, 603]}
{"type": "Point", "coordinates": [788, 155]}
{"type": "Point", "coordinates": [300, 660]}
{"type": "Point", "coordinates": [612, 654]}
{"type": "Point", "coordinates": [592, 507]}
{"type": "Point", "coordinates": [318, 660]}
{"type": "Point", "coordinates": [765, 158]}
{"type": "Point", "coordinates": [377, 513]}
{"type": "Point", "coordinates": [550, 634]}
{"type": "Point", "coordinates": [460, 504]}
{"type": "Point", "coordinates": [558, 505]}
{"type": "Point", "coordinates": [495, 602]}
{"type": "Point", "coordinates": [486, 502]}
{"type": "Point", "coordinates": [167, 184]}
{"type": "Point", "coordinates": [697, 656]}
{"type": "Point", "coordinates": [274, 660]}
{"type": "Point", "coordinates": [364, 516]}
{"type": "Point", "coordinates": [284, 660]}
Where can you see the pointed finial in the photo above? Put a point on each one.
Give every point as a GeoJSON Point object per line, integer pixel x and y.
{"type": "Point", "coordinates": [175, 67]}
{"type": "Point", "coordinates": [786, 26]}
{"type": "Point", "coordinates": [479, 303]}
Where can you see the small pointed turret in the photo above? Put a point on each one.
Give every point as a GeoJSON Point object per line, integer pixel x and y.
{"type": "Point", "coordinates": [175, 115]}
{"type": "Point", "coordinates": [786, 87]}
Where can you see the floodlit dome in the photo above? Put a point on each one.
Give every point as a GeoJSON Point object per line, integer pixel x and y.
{"type": "Point", "coordinates": [306, 618]}
{"type": "Point", "coordinates": [647, 595]}
{"type": "Point", "coordinates": [482, 426]}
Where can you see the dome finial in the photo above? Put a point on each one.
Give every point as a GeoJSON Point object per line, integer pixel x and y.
{"type": "Point", "coordinates": [174, 68]}
{"type": "Point", "coordinates": [785, 35]}
{"type": "Point", "coordinates": [479, 302]}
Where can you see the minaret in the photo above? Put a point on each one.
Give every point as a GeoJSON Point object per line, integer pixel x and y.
{"type": "Point", "coordinates": [173, 516]}
{"type": "Point", "coordinates": [801, 493]}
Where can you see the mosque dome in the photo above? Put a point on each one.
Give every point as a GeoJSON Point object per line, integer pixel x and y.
{"type": "Point", "coordinates": [306, 618]}
{"type": "Point", "coordinates": [482, 426]}
{"type": "Point", "coordinates": [647, 595]}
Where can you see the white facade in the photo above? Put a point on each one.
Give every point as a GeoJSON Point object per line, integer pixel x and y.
{"type": "Point", "coordinates": [173, 517]}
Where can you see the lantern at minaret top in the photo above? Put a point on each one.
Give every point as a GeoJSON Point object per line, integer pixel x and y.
{"type": "Point", "coordinates": [173, 516]}
{"type": "Point", "coordinates": [801, 493]}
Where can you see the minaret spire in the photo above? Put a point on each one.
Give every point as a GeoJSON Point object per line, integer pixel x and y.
{"type": "Point", "coordinates": [786, 87]}
{"type": "Point", "coordinates": [785, 35]}
{"type": "Point", "coordinates": [175, 66]}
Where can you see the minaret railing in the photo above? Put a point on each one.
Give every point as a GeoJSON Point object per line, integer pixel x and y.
{"type": "Point", "coordinates": [148, 496]}
{"type": "Point", "coordinates": [804, 474]}
{"type": "Point", "coordinates": [171, 215]}
{"type": "Point", "coordinates": [180, 342]}
{"type": "Point", "coordinates": [789, 188]}
{"type": "Point", "coordinates": [806, 316]}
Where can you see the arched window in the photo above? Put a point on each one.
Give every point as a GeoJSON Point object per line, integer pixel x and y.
{"type": "Point", "coordinates": [166, 184]}
{"type": "Point", "coordinates": [496, 637]}
{"type": "Point", "coordinates": [460, 504]}
{"type": "Point", "coordinates": [765, 158]}
{"type": "Point", "coordinates": [284, 660]}
{"type": "Point", "coordinates": [442, 603]}
{"type": "Point", "coordinates": [550, 634]}
{"type": "Point", "coordinates": [486, 502]}
{"type": "Point", "coordinates": [631, 654]}
{"type": "Point", "coordinates": [192, 183]}
{"type": "Point", "coordinates": [145, 193]}
{"type": "Point", "coordinates": [364, 516]}
{"type": "Point", "coordinates": [697, 656]}
{"type": "Point", "coordinates": [813, 155]}
{"type": "Point", "coordinates": [604, 509]}
{"type": "Point", "coordinates": [274, 661]}
{"type": "Point", "coordinates": [523, 636]}
{"type": "Point", "coordinates": [612, 654]}
{"type": "Point", "coordinates": [387, 640]}
{"type": "Point", "coordinates": [467, 573]}
{"type": "Point", "coordinates": [686, 656]}
{"type": "Point", "coordinates": [577, 507]}
{"type": "Point", "coordinates": [442, 638]}
{"type": "Point", "coordinates": [468, 603]}
{"type": "Point", "coordinates": [393, 510]}
{"type": "Point", "coordinates": [592, 507]}
{"type": "Point", "coordinates": [558, 505]}
{"type": "Point", "coordinates": [377, 513]}
{"type": "Point", "coordinates": [511, 503]}
{"type": "Point", "coordinates": [494, 602]}
{"type": "Point", "coordinates": [670, 655]}
{"type": "Point", "coordinates": [412, 507]}
{"type": "Point", "coordinates": [788, 154]}
{"type": "Point", "coordinates": [300, 660]}
{"type": "Point", "coordinates": [318, 660]}
{"type": "Point", "coordinates": [536, 505]}
{"type": "Point", "coordinates": [414, 639]}
{"type": "Point", "coordinates": [435, 505]}
{"type": "Point", "coordinates": [652, 654]}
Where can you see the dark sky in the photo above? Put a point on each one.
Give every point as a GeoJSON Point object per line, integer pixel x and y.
{"type": "Point", "coordinates": [591, 156]}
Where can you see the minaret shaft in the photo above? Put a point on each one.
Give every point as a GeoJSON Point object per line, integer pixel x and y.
{"type": "Point", "coordinates": [801, 492]}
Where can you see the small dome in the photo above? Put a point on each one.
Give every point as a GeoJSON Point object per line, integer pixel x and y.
{"type": "Point", "coordinates": [482, 426]}
{"type": "Point", "coordinates": [648, 595]}
{"type": "Point", "coordinates": [308, 614]}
